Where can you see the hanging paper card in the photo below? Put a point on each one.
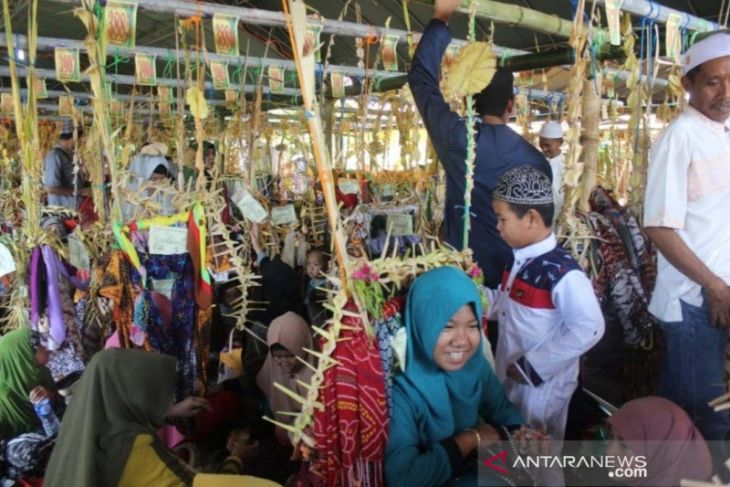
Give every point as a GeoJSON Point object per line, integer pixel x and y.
{"type": "Point", "coordinates": [6, 103]}
{"type": "Point", "coordinates": [78, 256]}
{"type": "Point", "coordinates": [348, 186]}
{"type": "Point", "coordinates": [67, 65]}
{"type": "Point", "coordinates": [219, 73]}
{"type": "Point", "coordinates": [120, 23]}
{"type": "Point", "coordinates": [7, 263]}
{"type": "Point", "coordinates": [167, 240]}
{"type": "Point", "coordinates": [225, 31]}
{"type": "Point", "coordinates": [65, 105]}
{"type": "Point", "coordinates": [613, 17]}
{"type": "Point", "coordinates": [400, 224]}
{"type": "Point", "coordinates": [163, 286]}
{"type": "Point", "coordinates": [673, 39]}
{"type": "Point", "coordinates": [251, 209]}
{"type": "Point", "coordinates": [311, 42]}
{"type": "Point", "coordinates": [231, 98]}
{"type": "Point", "coordinates": [276, 79]}
{"type": "Point", "coordinates": [283, 215]}
{"type": "Point", "coordinates": [145, 69]}
{"type": "Point", "coordinates": [390, 55]}
{"type": "Point", "coordinates": [337, 83]}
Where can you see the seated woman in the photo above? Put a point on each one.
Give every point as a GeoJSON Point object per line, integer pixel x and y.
{"type": "Point", "coordinates": [24, 379]}
{"type": "Point", "coordinates": [661, 432]}
{"type": "Point", "coordinates": [446, 387]}
{"type": "Point", "coordinates": [287, 338]}
{"type": "Point", "coordinates": [108, 434]}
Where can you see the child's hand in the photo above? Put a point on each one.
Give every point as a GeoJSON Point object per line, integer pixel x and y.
{"type": "Point", "coordinates": [188, 407]}
{"type": "Point", "coordinates": [532, 442]}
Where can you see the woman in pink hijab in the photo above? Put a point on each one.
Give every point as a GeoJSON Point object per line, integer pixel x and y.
{"type": "Point", "coordinates": [288, 337]}
{"type": "Point", "coordinates": [660, 431]}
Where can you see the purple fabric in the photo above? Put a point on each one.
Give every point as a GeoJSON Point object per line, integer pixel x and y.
{"type": "Point", "coordinates": [55, 310]}
{"type": "Point", "coordinates": [34, 304]}
{"type": "Point", "coordinates": [53, 267]}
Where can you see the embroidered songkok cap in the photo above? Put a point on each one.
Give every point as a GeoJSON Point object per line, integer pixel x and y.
{"type": "Point", "coordinates": [524, 185]}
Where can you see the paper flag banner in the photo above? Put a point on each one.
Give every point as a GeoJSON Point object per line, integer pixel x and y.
{"type": "Point", "coordinates": [67, 65]}
{"type": "Point", "coordinates": [276, 79]}
{"type": "Point", "coordinates": [225, 31]}
{"type": "Point", "coordinates": [6, 104]}
{"type": "Point", "coordinates": [337, 83]}
{"type": "Point", "coordinates": [231, 98]}
{"type": "Point", "coordinates": [673, 39]}
{"type": "Point", "coordinates": [120, 23]}
{"type": "Point", "coordinates": [65, 105]}
{"type": "Point", "coordinates": [219, 73]}
{"type": "Point", "coordinates": [40, 89]}
{"type": "Point", "coordinates": [613, 16]}
{"type": "Point", "coordinates": [165, 94]}
{"type": "Point", "coordinates": [389, 53]}
{"type": "Point", "coordinates": [312, 42]}
{"type": "Point", "coordinates": [145, 69]}
{"type": "Point", "coordinates": [283, 215]}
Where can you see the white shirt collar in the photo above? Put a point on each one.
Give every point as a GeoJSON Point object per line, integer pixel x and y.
{"type": "Point", "coordinates": [536, 249]}
{"type": "Point", "coordinates": [720, 127]}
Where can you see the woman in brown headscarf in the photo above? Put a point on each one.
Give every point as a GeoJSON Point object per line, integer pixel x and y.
{"type": "Point", "coordinates": [287, 338]}
{"type": "Point", "coordinates": [661, 432]}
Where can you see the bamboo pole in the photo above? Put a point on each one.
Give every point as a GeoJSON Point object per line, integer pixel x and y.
{"type": "Point", "coordinates": [590, 139]}
{"type": "Point", "coordinates": [305, 72]}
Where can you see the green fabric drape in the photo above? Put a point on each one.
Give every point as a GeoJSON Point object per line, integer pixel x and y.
{"type": "Point", "coordinates": [19, 374]}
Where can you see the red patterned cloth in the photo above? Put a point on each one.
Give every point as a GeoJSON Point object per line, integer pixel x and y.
{"type": "Point", "coordinates": [352, 431]}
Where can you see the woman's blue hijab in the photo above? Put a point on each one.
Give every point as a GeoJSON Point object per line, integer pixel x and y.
{"type": "Point", "coordinates": [452, 398]}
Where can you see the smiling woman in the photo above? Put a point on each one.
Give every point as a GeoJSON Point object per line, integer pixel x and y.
{"type": "Point", "coordinates": [446, 386]}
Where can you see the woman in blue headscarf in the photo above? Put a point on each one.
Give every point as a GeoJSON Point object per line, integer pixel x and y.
{"type": "Point", "coordinates": [446, 387]}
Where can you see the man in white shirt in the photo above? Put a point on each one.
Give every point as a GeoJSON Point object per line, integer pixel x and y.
{"type": "Point", "coordinates": [686, 216]}
{"type": "Point", "coordinates": [551, 140]}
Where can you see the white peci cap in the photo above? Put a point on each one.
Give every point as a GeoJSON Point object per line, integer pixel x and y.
{"type": "Point", "coordinates": [551, 130]}
{"type": "Point", "coordinates": [711, 47]}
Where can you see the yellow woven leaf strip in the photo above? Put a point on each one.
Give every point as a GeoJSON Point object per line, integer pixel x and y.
{"type": "Point", "coordinates": [472, 70]}
{"type": "Point", "coordinates": [196, 101]}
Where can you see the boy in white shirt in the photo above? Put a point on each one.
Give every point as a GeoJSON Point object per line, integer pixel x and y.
{"type": "Point", "coordinates": [548, 313]}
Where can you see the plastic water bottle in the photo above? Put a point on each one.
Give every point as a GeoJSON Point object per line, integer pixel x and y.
{"type": "Point", "coordinates": [48, 418]}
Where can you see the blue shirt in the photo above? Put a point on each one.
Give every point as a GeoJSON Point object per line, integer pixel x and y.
{"type": "Point", "coordinates": [499, 149]}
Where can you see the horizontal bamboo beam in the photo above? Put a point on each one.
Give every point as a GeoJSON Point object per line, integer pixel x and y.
{"type": "Point", "coordinates": [49, 43]}
{"type": "Point", "coordinates": [254, 16]}
{"type": "Point", "coordinates": [124, 79]}
{"type": "Point", "coordinates": [659, 13]}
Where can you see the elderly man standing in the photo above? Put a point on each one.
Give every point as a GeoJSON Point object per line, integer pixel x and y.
{"type": "Point", "coordinates": [551, 140]}
{"type": "Point", "coordinates": [62, 183]}
{"type": "Point", "coordinates": [686, 216]}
